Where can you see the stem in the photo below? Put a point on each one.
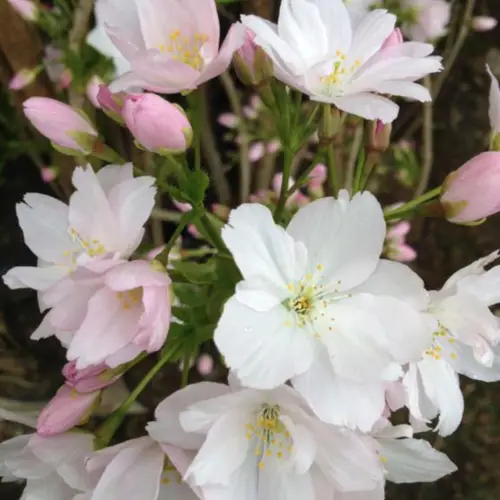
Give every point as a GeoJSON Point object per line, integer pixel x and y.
{"type": "Point", "coordinates": [360, 167]}
{"type": "Point", "coordinates": [305, 174]}
{"type": "Point", "coordinates": [284, 183]}
{"type": "Point", "coordinates": [245, 170]}
{"type": "Point", "coordinates": [353, 155]}
{"type": "Point", "coordinates": [332, 170]}
{"type": "Point", "coordinates": [427, 143]}
{"type": "Point", "coordinates": [185, 370]}
{"type": "Point", "coordinates": [105, 432]}
{"type": "Point", "coordinates": [213, 235]}
{"type": "Point", "coordinates": [198, 123]}
{"type": "Point", "coordinates": [411, 205]}
{"type": "Point", "coordinates": [186, 219]}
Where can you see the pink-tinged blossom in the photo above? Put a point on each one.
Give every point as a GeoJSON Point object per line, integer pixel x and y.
{"type": "Point", "coordinates": [494, 104]}
{"type": "Point", "coordinates": [182, 207]}
{"type": "Point", "coordinates": [273, 146]}
{"type": "Point", "coordinates": [23, 78]}
{"type": "Point", "coordinates": [105, 216]}
{"type": "Point", "coordinates": [92, 90]}
{"type": "Point", "coordinates": [156, 124]}
{"type": "Point", "coordinates": [317, 178]}
{"type": "Point", "coordinates": [256, 151]}
{"type": "Point", "coordinates": [395, 38]}
{"type": "Point", "coordinates": [471, 193]}
{"type": "Point", "coordinates": [65, 127]}
{"type": "Point", "coordinates": [228, 120]}
{"type": "Point", "coordinates": [205, 364]}
{"type": "Point", "coordinates": [484, 23]}
{"type": "Point", "coordinates": [140, 468]}
{"type": "Point", "coordinates": [431, 18]}
{"type": "Point", "coordinates": [296, 199]}
{"type": "Point", "coordinates": [466, 342]}
{"type": "Point", "coordinates": [27, 9]}
{"type": "Point", "coordinates": [252, 65]}
{"type": "Point", "coordinates": [331, 294]}
{"type": "Point", "coordinates": [317, 49]}
{"type": "Point", "coordinates": [53, 467]}
{"type": "Point", "coordinates": [48, 174]}
{"type": "Point", "coordinates": [111, 104]}
{"type": "Point", "coordinates": [170, 48]}
{"type": "Point", "coordinates": [395, 246]}
{"type": "Point", "coordinates": [121, 307]}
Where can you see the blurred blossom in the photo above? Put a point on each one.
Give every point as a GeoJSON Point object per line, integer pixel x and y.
{"type": "Point", "coordinates": [273, 146]}
{"type": "Point", "coordinates": [27, 9]}
{"type": "Point", "coordinates": [229, 120]}
{"type": "Point", "coordinates": [205, 364]}
{"type": "Point", "coordinates": [431, 18]}
{"type": "Point", "coordinates": [494, 104]}
{"type": "Point", "coordinates": [48, 174]}
{"type": "Point", "coordinates": [256, 151]}
{"type": "Point", "coordinates": [193, 231]}
{"type": "Point", "coordinates": [93, 89]}
{"type": "Point", "coordinates": [484, 23]}
{"type": "Point", "coordinates": [395, 247]}
{"type": "Point", "coordinates": [182, 207]}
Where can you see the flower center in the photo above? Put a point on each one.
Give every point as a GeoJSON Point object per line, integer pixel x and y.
{"type": "Point", "coordinates": [436, 351]}
{"type": "Point", "coordinates": [92, 247]}
{"type": "Point", "coordinates": [339, 73]}
{"type": "Point", "coordinates": [186, 49]}
{"type": "Point", "coordinates": [130, 298]}
{"type": "Point", "coordinates": [170, 474]}
{"type": "Point", "coordinates": [270, 435]}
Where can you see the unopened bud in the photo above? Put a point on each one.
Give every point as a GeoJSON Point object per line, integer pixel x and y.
{"type": "Point", "coordinates": [24, 77]}
{"type": "Point", "coordinates": [111, 104]}
{"type": "Point", "coordinates": [378, 137]}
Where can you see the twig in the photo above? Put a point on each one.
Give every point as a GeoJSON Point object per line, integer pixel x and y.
{"type": "Point", "coordinates": [213, 159]}
{"type": "Point", "coordinates": [245, 169]}
{"type": "Point", "coordinates": [157, 233]}
{"type": "Point", "coordinates": [353, 155]}
{"type": "Point", "coordinates": [166, 215]}
{"type": "Point", "coordinates": [457, 47]}
{"type": "Point", "coordinates": [427, 144]}
{"type": "Point", "coordinates": [81, 16]}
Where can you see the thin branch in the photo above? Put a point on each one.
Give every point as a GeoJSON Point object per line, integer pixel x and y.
{"type": "Point", "coordinates": [212, 157]}
{"type": "Point", "coordinates": [245, 169]}
{"type": "Point", "coordinates": [166, 215]}
{"type": "Point", "coordinates": [427, 144]}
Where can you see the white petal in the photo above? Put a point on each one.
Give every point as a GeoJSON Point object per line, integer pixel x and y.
{"type": "Point", "coordinates": [335, 17]}
{"type": "Point", "coordinates": [344, 237]}
{"type": "Point", "coordinates": [38, 278]}
{"type": "Point", "coordinates": [396, 280]}
{"type": "Point", "coordinates": [111, 175]}
{"type": "Point", "coordinates": [494, 107]}
{"type": "Point", "coordinates": [465, 363]}
{"type": "Point", "coordinates": [260, 294]}
{"type": "Point", "coordinates": [167, 427]}
{"type": "Point", "coordinates": [367, 105]}
{"type": "Point", "coordinates": [264, 349]}
{"type": "Point", "coordinates": [44, 221]}
{"type": "Point", "coordinates": [442, 387]}
{"type": "Point", "coordinates": [485, 287]}
{"type": "Point", "coordinates": [223, 452]}
{"type": "Point", "coordinates": [49, 488]}
{"type": "Point", "coordinates": [337, 400]}
{"type": "Point", "coordinates": [262, 248]}
{"type": "Point", "coordinates": [414, 461]}
{"type": "Point", "coordinates": [304, 445]}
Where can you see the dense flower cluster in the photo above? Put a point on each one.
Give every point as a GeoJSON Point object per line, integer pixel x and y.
{"type": "Point", "coordinates": [325, 331]}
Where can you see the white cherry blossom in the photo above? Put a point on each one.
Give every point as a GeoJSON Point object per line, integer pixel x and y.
{"type": "Point", "coordinates": [318, 306]}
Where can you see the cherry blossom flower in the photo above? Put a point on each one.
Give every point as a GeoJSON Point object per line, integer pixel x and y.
{"type": "Point", "coordinates": [139, 468]}
{"type": "Point", "coordinates": [431, 18]}
{"type": "Point", "coordinates": [170, 48]}
{"type": "Point", "coordinates": [319, 307]}
{"type": "Point", "coordinates": [316, 49]}
{"type": "Point", "coordinates": [105, 215]}
{"type": "Point", "coordinates": [53, 467]}
{"type": "Point", "coordinates": [484, 23]}
{"type": "Point", "coordinates": [465, 342]}
{"type": "Point", "coordinates": [123, 307]}
{"type": "Point", "coordinates": [262, 444]}
{"type": "Point", "coordinates": [494, 107]}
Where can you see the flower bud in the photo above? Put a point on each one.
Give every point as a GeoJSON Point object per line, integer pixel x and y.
{"type": "Point", "coordinates": [494, 103]}
{"type": "Point", "coordinates": [331, 120]}
{"type": "Point", "coordinates": [471, 193]}
{"type": "Point", "coordinates": [484, 23]}
{"type": "Point", "coordinates": [24, 77]}
{"type": "Point", "coordinates": [90, 379]}
{"type": "Point", "coordinates": [27, 9]}
{"type": "Point", "coordinates": [93, 89]}
{"type": "Point", "coordinates": [48, 174]}
{"type": "Point", "coordinates": [111, 104]}
{"type": "Point", "coordinates": [156, 124]}
{"type": "Point", "coordinates": [378, 136]}
{"type": "Point", "coordinates": [252, 65]}
{"type": "Point", "coordinates": [69, 130]}
{"type": "Point", "coordinates": [67, 409]}
{"type": "Point", "coordinates": [395, 38]}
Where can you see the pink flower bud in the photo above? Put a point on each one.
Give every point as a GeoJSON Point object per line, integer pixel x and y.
{"type": "Point", "coordinates": [67, 409]}
{"type": "Point", "coordinates": [221, 211]}
{"type": "Point", "coordinates": [205, 364]}
{"type": "Point", "coordinates": [395, 38]}
{"type": "Point", "coordinates": [471, 192]}
{"type": "Point", "coordinates": [27, 9]}
{"type": "Point", "coordinates": [89, 379]}
{"type": "Point", "coordinates": [68, 129]}
{"type": "Point", "coordinates": [65, 79]}
{"type": "Point", "coordinates": [484, 23]}
{"type": "Point", "coordinates": [318, 176]}
{"type": "Point", "coordinates": [93, 89]}
{"type": "Point", "coordinates": [111, 104]}
{"type": "Point", "coordinates": [253, 66]}
{"type": "Point", "coordinates": [228, 120]}
{"type": "Point", "coordinates": [23, 78]}
{"type": "Point", "coordinates": [273, 146]}
{"type": "Point", "coordinates": [256, 151]}
{"type": "Point", "coordinates": [378, 136]}
{"type": "Point", "coordinates": [48, 174]}
{"type": "Point", "coordinates": [156, 124]}
{"type": "Point", "coordinates": [182, 207]}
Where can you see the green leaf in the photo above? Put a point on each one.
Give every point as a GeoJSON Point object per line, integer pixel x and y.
{"type": "Point", "coordinates": [190, 295]}
{"type": "Point", "coordinates": [196, 272]}
{"type": "Point", "coordinates": [194, 186]}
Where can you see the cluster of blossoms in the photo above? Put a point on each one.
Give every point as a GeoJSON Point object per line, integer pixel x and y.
{"type": "Point", "coordinates": [324, 339]}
